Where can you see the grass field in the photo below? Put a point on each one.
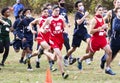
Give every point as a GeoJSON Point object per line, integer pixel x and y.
{"type": "Point", "coordinates": [14, 72]}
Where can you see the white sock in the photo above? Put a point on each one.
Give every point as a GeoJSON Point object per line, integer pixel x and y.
{"type": "Point", "coordinates": [29, 55]}
{"type": "Point", "coordinates": [37, 60]}
{"type": "Point", "coordinates": [107, 68]}
{"type": "Point", "coordinates": [79, 60]}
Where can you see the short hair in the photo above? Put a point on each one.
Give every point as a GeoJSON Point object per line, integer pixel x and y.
{"type": "Point", "coordinates": [55, 6]}
{"type": "Point", "coordinates": [76, 3]}
{"type": "Point", "coordinates": [4, 10]}
{"type": "Point", "coordinates": [97, 7]}
{"type": "Point", "coordinates": [24, 11]}
{"type": "Point", "coordinates": [116, 10]}
{"type": "Point", "coordinates": [20, 11]}
{"type": "Point", "coordinates": [44, 8]}
{"type": "Point", "coordinates": [105, 8]}
{"type": "Point", "coordinates": [49, 4]}
{"type": "Point", "coordinates": [60, 0]}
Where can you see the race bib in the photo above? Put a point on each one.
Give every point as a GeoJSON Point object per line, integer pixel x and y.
{"type": "Point", "coordinates": [46, 27]}
{"type": "Point", "coordinates": [57, 28]}
{"type": "Point", "coordinates": [7, 29]}
{"type": "Point", "coordinates": [101, 33]}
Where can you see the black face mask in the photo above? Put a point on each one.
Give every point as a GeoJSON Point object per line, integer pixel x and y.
{"type": "Point", "coordinates": [62, 4]}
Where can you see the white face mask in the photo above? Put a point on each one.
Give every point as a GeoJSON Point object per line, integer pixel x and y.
{"type": "Point", "coordinates": [81, 8]}
{"type": "Point", "coordinates": [29, 15]}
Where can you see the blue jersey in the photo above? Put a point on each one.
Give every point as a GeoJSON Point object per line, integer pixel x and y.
{"type": "Point", "coordinates": [27, 32]}
{"type": "Point", "coordinates": [115, 40]}
{"type": "Point", "coordinates": [18, 28]}
{"type": "Point", "coordinates": [17, 7]}
{"type": "Point", "coordinates": [79, 28]}
{"type": "Point", "coordinates": [116, 25]}
{"type": "Point", "coordinates": [63, 12]}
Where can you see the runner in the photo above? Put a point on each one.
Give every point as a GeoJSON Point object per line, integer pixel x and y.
{"type": "Point", "coordinates": [98, 40]}
{"type": "Point", "coordinates": [80, 31]}
{"type": "Point", "coordinates": [57, 24]}
{"type": "Point", "coordinates": [4, 34]}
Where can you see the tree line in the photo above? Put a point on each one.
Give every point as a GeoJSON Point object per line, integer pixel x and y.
{"type": "Point", "coordinates": [37, 4]}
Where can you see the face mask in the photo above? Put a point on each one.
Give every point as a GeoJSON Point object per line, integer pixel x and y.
{"type": "Point", "coordinates": [29, 15]}
{"type": "Point", "coordinates": [81, 8]}
{"type": "Point", "coordinates": [104, 14]}
{"type": "Point", "coordinates": [50, 12]}
{"type": "Point", "coordinates": [62, 4]}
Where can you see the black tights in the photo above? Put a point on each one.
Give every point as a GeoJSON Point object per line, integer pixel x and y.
{"type": "Point", "coordinates": [4, 44]}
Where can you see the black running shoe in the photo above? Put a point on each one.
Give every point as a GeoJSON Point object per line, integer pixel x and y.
{"type": "Point", "coordinates": [26, 60]}
{"type": "Point", "coordinates": [21, 61]}
{"type": "Point", "coordinates": [110, 72]}
{"type": "Point", "coordinates": [53, 69]}
{"type": "Point", "coordinates": [2, 64]}
{"type": "Point", "coordinates": [65, 76]}
{"type": "Point", "coordinates": [29, 68]}
{"type": "Point", "coordinates": [37, 64]}
{"type": "Point", "coordinates": [72, 61]}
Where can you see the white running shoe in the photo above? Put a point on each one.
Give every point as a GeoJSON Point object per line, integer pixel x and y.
{"type": "Point", "coordinates": [88, 61]}
{"type": "Point", "coordinates": [66, 62]}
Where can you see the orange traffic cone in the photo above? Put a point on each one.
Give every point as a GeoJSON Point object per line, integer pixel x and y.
{"type": "Point", "coordinates": [48, 76]}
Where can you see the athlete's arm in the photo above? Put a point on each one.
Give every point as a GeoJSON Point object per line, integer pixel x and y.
{"type": "Point", "coordinates": [92, 25]}
{"type": "Point", "coordinates": [108, 15]}
{"type": "Point", "coordinates": [42, 29]}
{"type": "Point", "coordinates": [36, 21]}
{"type": "Point", "coordinates": [79, 21]}
{"type": "Point", "coordinates": [3, 22]}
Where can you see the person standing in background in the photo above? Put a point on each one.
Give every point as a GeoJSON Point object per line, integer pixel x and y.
{"type": "Point", "coordinates": [17, 7]}
{"type": "Point", "coordinates": [49, 6]}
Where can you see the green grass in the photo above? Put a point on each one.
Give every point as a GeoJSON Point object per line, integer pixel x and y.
{"type": "Point", "coordinates": [14, 72]}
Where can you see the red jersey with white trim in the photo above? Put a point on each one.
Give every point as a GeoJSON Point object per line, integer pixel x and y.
{"type": "Point", "coordinates": [98, 40]}
{"type": "Point", "coordinates": [44, 36]}
{"type": "Point", "coordinates": [99, 33]}
{"type": "Point", "coordinates": [57, 28]}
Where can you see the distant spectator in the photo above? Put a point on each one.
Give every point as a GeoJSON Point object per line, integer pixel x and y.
{"type": "Point", "coordinates": [105, 10]}
{"type": "Point", "coordinates": [49, 6]}
{"type": "Point", "coordinates": [17, 7]}
{"type": "Point", "coordinates": [63, 10]}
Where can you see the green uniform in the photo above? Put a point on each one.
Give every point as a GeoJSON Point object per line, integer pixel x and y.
{"type": "Point", "coordinates": [5, 29]}
{"type": "Point", "coordinates": [5, 39]}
